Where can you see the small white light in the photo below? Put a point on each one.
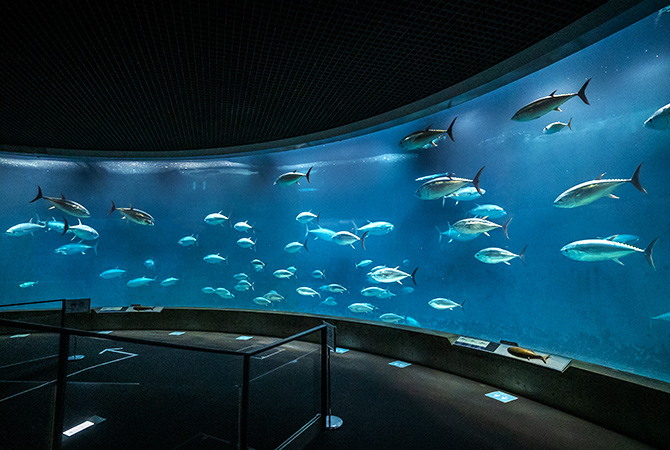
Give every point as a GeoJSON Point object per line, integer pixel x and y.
{"type": "Point", "coordinates": [74, 430]}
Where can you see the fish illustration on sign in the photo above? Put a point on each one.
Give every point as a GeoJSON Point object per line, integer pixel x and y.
{"type": "Point", "coordinates": [605, 250]}
{"type": "Point", "coordinates": [556, 127]}
{"type": "Point", "coordinates": [660, 120]}
{"type": "Point", "coordinates": [542, 106]}
{"type": "Point", "coordinates": [67, 206]}
{"type": "Point", "coordinates": [134, 215]}
{"type": "Point", "coordinates": [294, 177]}
{"type": "Point", "coordinates": [442, 186]}
{"type": "Point", "coordinates": [520, 352]}
{"type": "Point", "coordinates": [426, 138]}
{"type": "Point", "coordinates": [590, 191]}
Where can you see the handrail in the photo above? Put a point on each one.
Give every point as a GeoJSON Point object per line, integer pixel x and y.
{"type": "Point", "coordinates": [130, 340]}
{"type": "Point", "coordinates": [244, 386]}
{"type": "Point", "coordinates": [32, 303]}
{"type": "Point", "coordinates": [265, 348]}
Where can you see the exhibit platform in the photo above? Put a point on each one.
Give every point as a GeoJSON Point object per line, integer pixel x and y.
{"type": "Point", "coordinates": [392, 386]}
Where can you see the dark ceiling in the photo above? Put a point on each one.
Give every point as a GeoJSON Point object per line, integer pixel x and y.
{"type": "Point", "coordinates": [151, 76]}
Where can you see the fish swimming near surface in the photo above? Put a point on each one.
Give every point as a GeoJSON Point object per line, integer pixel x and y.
{"type": "Point", "coordinates": [442, 186]}
{"type": "Point", "coordinates": [556, 127]}
{"type": "Point", "coordinates": [391, 275]}
{"type": "Point", "coordinates": [445, 303]}
{"type": "Point", "coordinates": [113, 273]}
{"type": "Point", "coordinates": [520, 352]}
{"type": "Point", "coordinates": [660, 120]}
{"type": "Point", "coordinates": [134, 215]}
{"type": "Point", "coordinates": [494, 255]}
{"type": "Point", "coordinates": [67, 206]}
{"type": "Point", "coordinates": [80, 231]}
{"type": "Point", "coordinates": [427, 138]}
{"type": "Point", "coordinates": [139, 282]}
{"type": "Point", "coordinates": [605, 250]}
{"type": "Point", "coordinates": [475, 225]}
{"type": "Point", "coordinates": [76, 249]}
{"type": "Point", "coordinates": [590, 191]}
{"type": "Point", "coordinates": [294, 177]}
{"type": "Point", "coordinates": [23, 229]}
{"type": "Point", "coordinates": [542, 106]}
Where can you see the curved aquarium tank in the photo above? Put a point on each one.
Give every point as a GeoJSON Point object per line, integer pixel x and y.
{"type": "Point", "coordinates": [545, 220]}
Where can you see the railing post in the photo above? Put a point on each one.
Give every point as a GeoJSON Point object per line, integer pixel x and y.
{"type": "Point", "coordinates": [244, 406]}
{"type": "Point", "coordinates": [61, 383]}
{"type": "Point", "coordinates": [324, 376]}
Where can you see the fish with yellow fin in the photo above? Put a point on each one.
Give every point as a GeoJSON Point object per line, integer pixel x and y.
{"type": "Point", "coordinates": [520, 352]}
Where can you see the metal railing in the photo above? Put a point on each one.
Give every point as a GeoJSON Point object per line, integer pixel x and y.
{"type": "Point", "coordinates": [325, 332]}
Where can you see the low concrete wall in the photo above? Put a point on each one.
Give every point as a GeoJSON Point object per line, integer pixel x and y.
{"type": "Point", "coordinates": [635, 406]}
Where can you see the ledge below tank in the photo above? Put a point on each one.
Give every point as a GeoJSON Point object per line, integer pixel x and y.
{"type": "Point", "coordinates": [632, 405]}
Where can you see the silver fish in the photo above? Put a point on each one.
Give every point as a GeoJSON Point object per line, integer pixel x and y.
{"type": "Point", "coordinates": [80, 230]}
{"type": "Point", "coordinates": [138, 282]}
{"type": "Point", "coordinates": [660, 120]}
{"type": "Point", "coordinates": [556, 127]}
{"type": "Point", "coordinates": [474, 225]}
{"type": "Point", "coordinates": [605, 250]}
{"type": "Point", "coordinates": [171, 281]}
{"type": "Point", "coordinates": [389, 275]}
{"type": "Point", "coordinates": [391, 318]}
{"type": "Point", "coordinates": [76, 249]}
{"type": "Point", "coordinates": [542, 106]}
{"type": "Point", "coordinates": [361, 308]}
{"type": "Point", "coordinates": [347, 238]}
{"type": "Point", "coordinates": [494, 255]}
{"type": "Point", "coordinates": [426, 138]}
{"type": "Point", "coordinates": [445, 303]}
{"type": "Point", "coordinates": [283, 274]}
{"type": "Point", "coordinates": [289, 178]}
{"type": "Point", "coordinates": [334, 288]}
{"type": "Point", "coordinates": [443, 186]}
{"type": "Point", "coordinates": [376, 228]}
{"type": "Point", "coordinates": [26, 228]}
{"type": "Point", "coordinates": [307, 291]}
{"type": "Point", "coordinates": [134, 215]}
{"type": "Point", "coordinates": [112, 273]}
{"type": "Point", "coordinates": [67, 206]}
{"type": "Point", "coordinates": [590, 191]}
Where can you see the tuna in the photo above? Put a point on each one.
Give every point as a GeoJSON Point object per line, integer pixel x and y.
{"type": "Point", "coordinates": [67, 206]}
{"type": "Point", "coordinates": [660, 120]}
{"type": "Point", "coordinates": [134, 215]}
{"type": "Point", "coordinates": [294, 177]}
{"type": "Point", "coordinates": [605, 250]}
{"type": "Point", "coordinates": [426, 138]}
{"type": "Point", "coordinates": [474, 225]}
{"type": "Point", "coordinates": [590, 191]}
{"type": "Point", "coordinates": [442, 186]}
{"type": "Point", "coordinates": [494, 255]}
{"type": "Point", "coordinates": [542, 106]}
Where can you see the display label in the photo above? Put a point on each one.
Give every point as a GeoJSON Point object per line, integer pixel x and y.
{"type": "Point", "coordinates": [478, 344]}
{"type": "Point", "coordinates": [400, 364]}
{"type": "Point", "coordinates": [79, 305]}
{"type": "Point", "coordinates": [330, 336]}
{"type": "Point", "coordinates": [501, 396]}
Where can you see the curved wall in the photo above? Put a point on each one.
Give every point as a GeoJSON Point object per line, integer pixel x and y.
{"type": "Point", "coordinates": [601, 312]}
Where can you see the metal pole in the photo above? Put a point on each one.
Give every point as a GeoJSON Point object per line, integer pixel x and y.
{"type": "Point", "coordinates": [61, 383]}
{"type": "Point", "coordinates": [244, 407]}
{"type": "Point", "coordinates": [324, 376]}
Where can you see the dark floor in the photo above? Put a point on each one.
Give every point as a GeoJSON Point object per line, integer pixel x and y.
{"type": "Point", "coordinates": [155, 398]}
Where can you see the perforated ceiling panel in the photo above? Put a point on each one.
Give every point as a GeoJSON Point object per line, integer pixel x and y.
{"type": "Point", "coordinates": [151, 76]}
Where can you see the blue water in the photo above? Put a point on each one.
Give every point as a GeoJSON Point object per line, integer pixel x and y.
{"type": "Point", "coordinates": [599, 312]}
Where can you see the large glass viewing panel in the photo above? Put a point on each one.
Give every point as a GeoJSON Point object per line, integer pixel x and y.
{"type": "Point", "coordinates": [229, 231]}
